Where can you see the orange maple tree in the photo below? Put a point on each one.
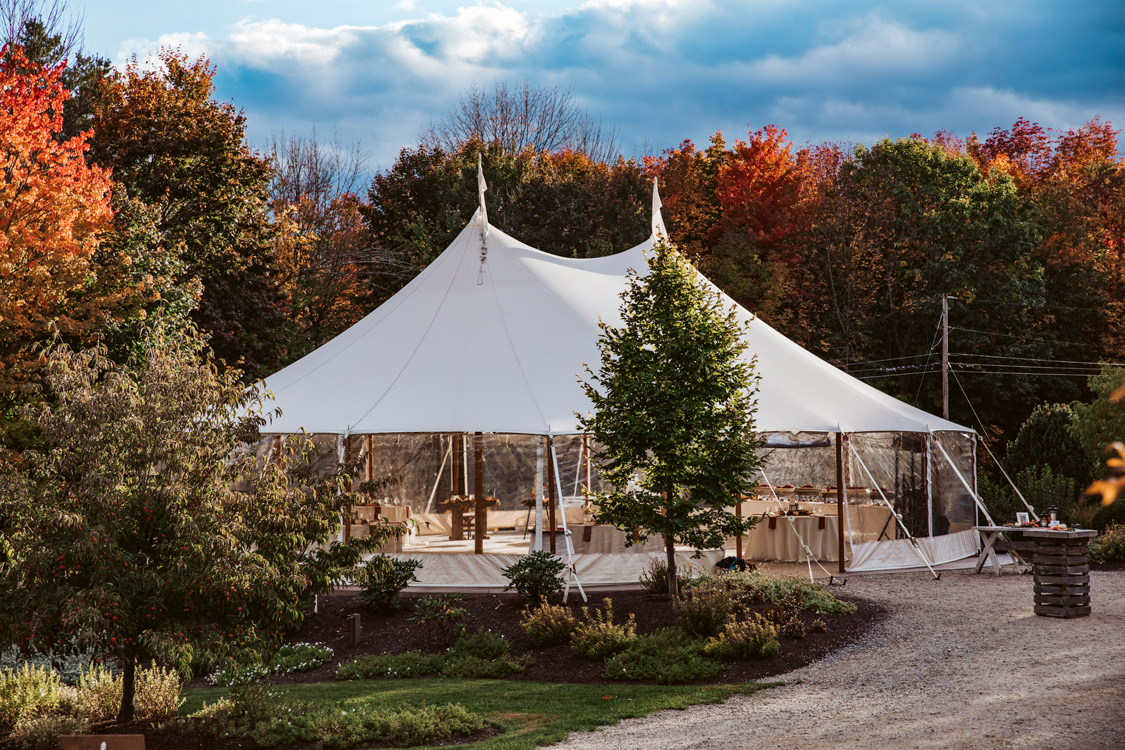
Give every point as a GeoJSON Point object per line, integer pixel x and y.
{"type": "Point", "coordinates": [53, 208]}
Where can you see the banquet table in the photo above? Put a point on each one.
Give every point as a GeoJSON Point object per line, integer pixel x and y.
{"type": "Point", "coordinates": [782, 544]}
{"type": "Point", "coordinates": [605, 538]}
{"type": "Point", "coordinates": [867, 522]}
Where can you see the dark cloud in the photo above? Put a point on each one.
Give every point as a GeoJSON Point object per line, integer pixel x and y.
{"type": "Point", "coordinates": [665, 70]}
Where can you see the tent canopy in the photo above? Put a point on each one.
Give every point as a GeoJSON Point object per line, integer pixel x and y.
{"type": "Point", "coordinates": [493, 336]}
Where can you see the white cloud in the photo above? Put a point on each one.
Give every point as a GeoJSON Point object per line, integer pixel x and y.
{"type": "Point", "coordinates": [875, 48]}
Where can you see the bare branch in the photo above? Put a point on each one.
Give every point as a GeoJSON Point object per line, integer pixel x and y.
{"type": "Point", "coordinates": [522, 117]}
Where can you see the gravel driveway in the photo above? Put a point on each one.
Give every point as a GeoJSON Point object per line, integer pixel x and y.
{"type": "Point", "coordinates": [959, 663]}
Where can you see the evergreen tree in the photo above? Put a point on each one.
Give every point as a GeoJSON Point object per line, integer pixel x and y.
{"type": "Point", "coordinates": [674, 411]}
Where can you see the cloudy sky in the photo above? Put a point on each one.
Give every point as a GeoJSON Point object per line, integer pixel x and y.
{"type": "Point", "coordinates": [659, 71]}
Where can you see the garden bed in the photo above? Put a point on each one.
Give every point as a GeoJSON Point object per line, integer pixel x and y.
{"type": "Point", "coordinates": [501, 614]}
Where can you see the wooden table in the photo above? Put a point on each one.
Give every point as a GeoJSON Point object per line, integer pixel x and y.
{"type": "Point", "coordinates": [1059, 560]}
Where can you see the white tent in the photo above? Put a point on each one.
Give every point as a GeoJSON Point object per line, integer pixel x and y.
{"type": "Point", "coordinates": [493, 336]}
{"type": "Point", "coordinates": [497, 342]}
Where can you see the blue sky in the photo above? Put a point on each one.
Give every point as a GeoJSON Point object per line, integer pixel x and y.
{"type": "Point", "coordinates": [657, 70]}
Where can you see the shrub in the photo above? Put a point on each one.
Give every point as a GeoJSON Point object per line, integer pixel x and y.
{"type": "Point", "coordinates": [818, 626]}
{"type": "Point", "coordinates": [704, 612]}
{"type": "Point", "coordinates": [668, 657]}
{"type": "Point", "coordinates": [482, 655]}
{"type": "Point", "coordinates": [548, 625]}
{"type": "Point", "coordinates": [28, 692]}
{"type": "Point", "coordinates": [158, 692]}
{"type": "Point", "coordinates": [755, 638]}
{"type": "Point", "coordinates": [299, 657]}
{"type": "Point", "coordinates": [792, 630]}
{"type": "Point", "coordinates": [535, 577]}
{"type": "Point", "coordinates": [257, 714]}
{"type": "Point", "coordinates": [443, 617]}
{"type": "Point", "coordinates": [68, 663]}
{"type": "Point", "coordinates": [234, 675]}
{"type": "Point", "coordinates": [655, 577]}
{"type": "Point", "coordinates": [99, 693]}
{"type": "Point", "coordinates": [785, 609]}
{"type": "Point", "coordinates": [43, 732]}
{"type": "Point", "coordinates": [371, 666]}
{"type": "Point", "coordinates": [383, 577]}
{"type": "Point", "coordinates": [599, 637]}
{"type": "Point", "coordinates": [754, 588]}
{"type": "Point", "coordinates": [1109, 546]}
{"type": "Point", "coordinates": [1114, 513]}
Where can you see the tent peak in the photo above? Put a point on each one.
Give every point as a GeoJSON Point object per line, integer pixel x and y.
{"type": "Point", "coordinates": [657, 221]}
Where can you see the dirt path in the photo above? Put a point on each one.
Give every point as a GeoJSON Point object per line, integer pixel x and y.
{"type": "Point", "coordinates": [960, 663]}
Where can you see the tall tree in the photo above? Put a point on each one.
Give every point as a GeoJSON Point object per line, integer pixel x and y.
{"type": "Point", "coordinates": [124, 532]}
{"type": "Point", "coordinates": [177, 150]}
{"type": "Point", "coordinates": [673, 411]}
{"type": "Point", "coordinates": [904, 223]}
{"type": "Point", "coordinates": [321, 241]}
{"type": "Point", "coordinates": [54, 207]}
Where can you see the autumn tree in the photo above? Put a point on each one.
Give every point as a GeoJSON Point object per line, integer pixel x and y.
{"type": "Point", "coordinates": [175, 149]}
{"type": "Point", "coordinates": [688, 180]}
{"type": "Point", "coordinates": [673, 411]}
{"type": "Point", "coordinates": [563, 203]}
{"type": "Point", "coordinates": [54, 208]}
{"type": "Point", "coordinates": [322, 246]}
{"type": "Point", "coordinates": [125, 534]}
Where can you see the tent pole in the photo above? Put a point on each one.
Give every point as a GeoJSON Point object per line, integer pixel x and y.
{"type": "Point", "coordinates": [840, 495]}
{"type": "Point", "coordinates": [369, 448]}
{"type": "Point", "coordinates": [551, 518]}
{"type": "Point", "coordinates": [738, 539]}
{"type": "Point", "coordinates": [537, 493]}
{"type": "Point", "coordinates": [589, 489]}
{"type": "Point", "coordinates": [455, 476]}
{"type": "Point", "coordinates": [480, 519]}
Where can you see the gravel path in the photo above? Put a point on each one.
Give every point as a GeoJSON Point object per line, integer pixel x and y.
{"type": "Point", "coordinates": [959, 663]}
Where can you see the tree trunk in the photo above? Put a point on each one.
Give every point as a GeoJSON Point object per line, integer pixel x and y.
{"type": "Point", "coordinates": [670, 548]}
{"type": "Point", "coordinates": [673, 579]}
{"type": "Point", "coordinates": [128, 690]}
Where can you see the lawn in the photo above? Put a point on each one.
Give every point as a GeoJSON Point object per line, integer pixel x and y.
{"type": "Point", "coordinates": [531, 713]}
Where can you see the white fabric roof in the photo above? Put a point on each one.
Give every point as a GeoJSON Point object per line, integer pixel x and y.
{"type": "Point", "coordinates": [500, 346]}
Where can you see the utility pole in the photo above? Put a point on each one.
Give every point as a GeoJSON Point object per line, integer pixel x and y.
{"type": "Point", "coordinates": [945, 355]}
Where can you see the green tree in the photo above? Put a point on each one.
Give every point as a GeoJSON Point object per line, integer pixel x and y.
{"type": "Point", "coordinates": [1102, 421]}
{"type": "Point", "coordinates": [126, 533]}
{"type": "Point", "coordinates": [1046, 439]}
{"type": "Point", "coordinates": [673, 411]}
{"type": "Point", "coordinates": [903, 223]}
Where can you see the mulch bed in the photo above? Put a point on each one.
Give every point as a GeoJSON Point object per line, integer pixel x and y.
{"type": "Point", "coordinates": [501, 614]}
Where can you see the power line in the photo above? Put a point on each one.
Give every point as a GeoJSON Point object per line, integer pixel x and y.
{"type": "Point", "coordinates": [1023, 338]}
{"type": "Point", "coordinates": [1037, 359]}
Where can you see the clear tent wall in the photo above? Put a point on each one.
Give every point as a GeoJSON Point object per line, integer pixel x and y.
{"type": "Point", "coordinates": [908, 472]}
{"type": "Point", "coordinates": [901, 487]}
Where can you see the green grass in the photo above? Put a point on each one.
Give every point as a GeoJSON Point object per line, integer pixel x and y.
{"type": "Point", "coordinates": [531, 713]}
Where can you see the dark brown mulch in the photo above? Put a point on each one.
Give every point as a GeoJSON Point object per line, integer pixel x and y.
{"type": "Point", "coordinates": [501, 614]}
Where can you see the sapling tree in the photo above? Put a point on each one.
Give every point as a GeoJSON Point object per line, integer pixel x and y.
{"type": "Point", "coordinates": [127, 534]}
{"type": "Point", "coordinates": [674, 411]}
